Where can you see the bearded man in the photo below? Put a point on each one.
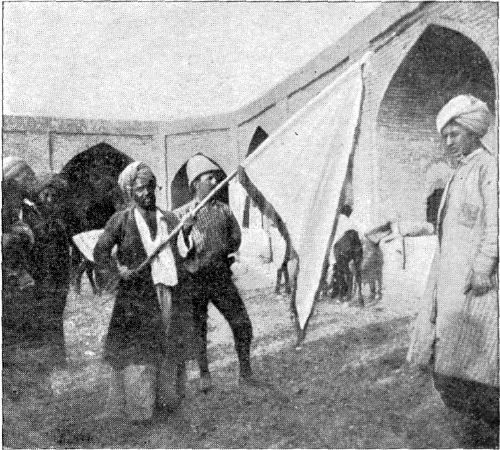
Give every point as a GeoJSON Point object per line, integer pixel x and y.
{"type": "Point", "coordinates": [148, 338]}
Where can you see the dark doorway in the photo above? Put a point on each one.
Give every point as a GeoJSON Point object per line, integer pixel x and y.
{"type": "Point", "coordinates": [93, 185]}
{"type": "Point", "coordinates": [441, 65]}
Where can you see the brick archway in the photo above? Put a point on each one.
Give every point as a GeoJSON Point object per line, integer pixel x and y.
{"type": "Point", "coordinates": [441, 64]}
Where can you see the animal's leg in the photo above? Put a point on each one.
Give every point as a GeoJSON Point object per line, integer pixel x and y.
{"type": "Point", "coordinates": [80, 270]}
{"type": "Point", "coordinates": [279, 272]}
{"type": "Point", "coordinates": [378, 280]}
{"type": "Point", "coordinates": [344, 285]}
{"type": "Point", "coordinates": [349, 280]}
{"type": "Point", "coordinates": [357, 264]}
{"type": "Point", "coordinates": [359, 293]}
{"type": "Point", "coordinates": [378, 293]}
{"type": "Point", "coordinates": [373, 288]}
{"type": "Point", "coordinates": [286, 275]}
{"type": "Point", "coordinates": [89, 270]}
{"type": "Point", "coordinates": [335, 283]}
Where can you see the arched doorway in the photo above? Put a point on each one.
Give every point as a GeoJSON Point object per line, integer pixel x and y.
{"type": "Point", "coordinates": [180, 193]}
{"type": "Point", "coordinates": [442, 64]}
{"type": "Point", "coordinates": [258, 138]}
{"type": "Point", "coordinates": [92, 178]}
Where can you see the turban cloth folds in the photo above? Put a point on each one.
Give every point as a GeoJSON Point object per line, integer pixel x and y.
{"type": "Point", "coordinates": [133, 171]}
{"type": "Point", "coordinates": [468, 111]}
{"type": "Point", "coordinates": [13, 166]}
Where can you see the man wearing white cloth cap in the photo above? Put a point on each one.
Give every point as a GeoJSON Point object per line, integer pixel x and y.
{"type": "Point", "coordinates": [148, 338]}
{"type": "Point", "coordinates": [463, 289]}
{"type": "Point", "coordinates": [213, 236]}
{"type": "Point", "coordinates": [15, 169]}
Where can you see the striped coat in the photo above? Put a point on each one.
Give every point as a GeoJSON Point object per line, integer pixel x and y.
{"type": "Point", "coordinates": [215, 234]}
{"type": "Point", "coordinates": [465, 326]}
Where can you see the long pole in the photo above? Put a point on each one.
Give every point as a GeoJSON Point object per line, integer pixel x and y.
{"type": "Point", "coordinates": [178, 228]}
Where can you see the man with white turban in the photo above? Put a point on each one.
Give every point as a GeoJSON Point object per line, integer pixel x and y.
{"type": "Point", "coordinates": [17, 170]}
{"type": "Point", "coordinates": [462, 290]}
{"type": "Point", "coordinates": [148, 339]}
{"type": "Point", "coordinates": [467, 111]}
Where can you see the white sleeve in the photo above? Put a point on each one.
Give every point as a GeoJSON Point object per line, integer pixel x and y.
{"type": "Point", "coordinates": [182, 246]}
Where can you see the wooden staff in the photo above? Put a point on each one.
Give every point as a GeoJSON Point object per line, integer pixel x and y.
{"type": "Point", "coordinates": [178, 228]}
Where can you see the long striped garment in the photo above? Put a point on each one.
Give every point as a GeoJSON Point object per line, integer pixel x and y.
{"type": "Point", "coordinates": [215, 234]}
{"type": "Point", "coordinates": [467, 325]}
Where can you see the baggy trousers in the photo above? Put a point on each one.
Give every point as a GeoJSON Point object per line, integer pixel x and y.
{"type": "Point", "coordinates": [214, 285]}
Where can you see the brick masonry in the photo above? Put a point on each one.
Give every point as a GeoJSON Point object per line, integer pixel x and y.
{"type": "Point", "coordinates": [397, 148]}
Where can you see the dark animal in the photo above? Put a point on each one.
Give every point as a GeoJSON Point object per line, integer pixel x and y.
{"type": "Point", "coordinates": [371, 266]}
{"type": "Point", "coordinates": [348, 251]}
{"type": "Point", "coordinates": [92, 205]}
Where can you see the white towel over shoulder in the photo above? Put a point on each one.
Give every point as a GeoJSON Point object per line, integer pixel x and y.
{"type": "Point", "coordinates": [163, 265]}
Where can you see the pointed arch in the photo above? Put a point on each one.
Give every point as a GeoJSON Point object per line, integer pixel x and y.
{"type": "Point", "coordinates": [441, 64]}
{"type": "Point", "coordinates": [93, 185]}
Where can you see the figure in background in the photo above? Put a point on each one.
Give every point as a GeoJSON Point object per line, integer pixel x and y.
{"type": "Point", "coordinates": [148, 339]}
{"type": "Point", "coordinates": [211, 237]}
{"type": "Point", "coordinates": [19, 217]}
{"type": "Point", "coordinates": [346, 247]}
{"type": "Point", "coordinates": [17, 283]}
{"type": "Point", "coordinates": [18, 170]}
{"type": "Point", "coordinates": [51, 257]}
{"type": "Point", "coordinates": [458, 333]}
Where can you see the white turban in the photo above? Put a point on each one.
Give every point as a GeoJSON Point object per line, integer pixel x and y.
{"type": "Point", "coordinates": [468, 111]}
{"type": "Point", "coordinates": [13, 166]}
{"type": "Point", "coordinates": [130, 173]}
{"type": "Point", "coordinates": [198, 165]}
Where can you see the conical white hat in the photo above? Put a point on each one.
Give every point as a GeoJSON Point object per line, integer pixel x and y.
{"type": "Point", "coordinates": [198, 165]}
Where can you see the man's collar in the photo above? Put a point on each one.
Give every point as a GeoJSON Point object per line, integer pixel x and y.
{"type": "Point", "coordinates": [195, 202]}
{"type": "Point", "coordinates": [466, 159]}
{"type": "Point", "coordinates": [133, 207]}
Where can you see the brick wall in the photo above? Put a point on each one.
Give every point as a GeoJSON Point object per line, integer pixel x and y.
{"type": "Point", "coordinates": [408, 79]}
{"type": "Point", "coordinates": [440, 66]}
{"type": "Point", "coordinates": [32, 147]}
{"type": "Point", "coordinates": [397, 143]}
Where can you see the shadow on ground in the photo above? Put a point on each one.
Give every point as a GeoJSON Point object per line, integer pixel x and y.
{"type": "Point", "coordinates": [352, 390]}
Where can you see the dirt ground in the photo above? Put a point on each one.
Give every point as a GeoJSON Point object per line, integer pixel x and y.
{"type": "Point", "coordinates": [348, 387]}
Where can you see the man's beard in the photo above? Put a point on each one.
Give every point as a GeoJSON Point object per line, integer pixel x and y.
{"type": "Point", "coordinates": [150, 202]}
{"type": "Point", "coordinates": [147, 203]}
